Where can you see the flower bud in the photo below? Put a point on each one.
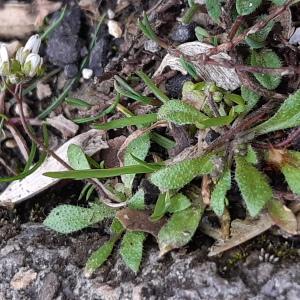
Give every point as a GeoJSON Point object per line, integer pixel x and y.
{"type": "Point", "coordinates": [33, 44]}
{"type": "Point", "coordinates": [32, 65]}
{"type": "Point", "coordinates": [4, 61]}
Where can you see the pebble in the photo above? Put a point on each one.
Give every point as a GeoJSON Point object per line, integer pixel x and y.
{"type": "Point", "coordinates": [111, 14]}
{"type": "Point", "coordinates": [43, 90]}
{"type": "Point", "coordinates": [87, 73]}
{"type": "Point", "coordinates": [174, 85]}
{"type": "Point", "coordinates": [23, 279]}
{"type": "Point", "coordinates": [114, 29]}
{"type": "Point", "coordinates": [151, 46]}
{"type": "Point", "coordinates": [71, 71]}
{"type": "Point", "coordinates": [211, 136]}
{"type": "Point", "coordinates": [183, 33]}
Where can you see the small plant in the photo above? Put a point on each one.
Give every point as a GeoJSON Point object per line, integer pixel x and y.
{"type": "Point", "coordinates": [239, 156]}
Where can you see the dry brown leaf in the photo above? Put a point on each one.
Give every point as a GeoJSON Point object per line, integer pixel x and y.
{"type": "Point", "coordinates": [241, 232]}
{"type": "Point", "coordinates": [67, 128]}
{"type": "Point", "coordinates": [45, 8]}
{"type": "Point", "coordinates": [20, 190]}
{"type": "Point", "coordinates": [19, 140]}
{"type": "Point", "coordinates": [109, 156]}
{"type": "Point", "coordinates": [19, 20]}
{"type": "Point", "coordinates": [224, 77]}
{"type": "Point", "coordinates": [136, 220]}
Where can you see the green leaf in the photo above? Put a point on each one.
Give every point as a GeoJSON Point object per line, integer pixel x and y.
{"type": "Point", "coordinates": [214, 9]}
{"type": "Point", "coordinates": [99, 257]}
{"type": "Point", "coordinates": [178, 203]}
{"type": "Point", "coordinates": [268, 59]}
{"type": "Point", "coordinates": [180, 113]}
{"type": "Point", "coordinates": [219, 193]}
{"type": "Point", "coordinates": [69, 218]}
{"type": "Point", "coordinates": [103, 173]}
{"type": "Point", "coordinates": [161, 206]}
{"type": "Point", "coordinates": [179, 229]}
{"type": "Point", "coordinates": [77, 158]}
{"type": "Point", "coordinates": [179, 174]}
{"type": "Point", "coordinates": [292, 176]}
{"type": "Point", "coordinates": [282, 216]}
{"type": "Point", "coordinates": [251, 156]}
{"type": "Point", "coordinates": [129, 121]}
{"type": "Point", "coordinates": [250, 97]}
{"type": "Point", "coordinates": [257, 40]}
{"type": "Point", "coordinates": [189, 67]}
{"type": "Point", "coordinates": [278, 2]}
{"type": "Point", "coordinates": [287, 116]}
{"type": "Point", "coordinates": [77, 102]}
{"type": "Point", "coordinates": [253, 186]}
{"type": "Point", "coordinates": [154, 89]}
{"type": "Point", "coordinates": [139, 148]}
{"type": "Point", "coordinates": [246, 7]}
{"type": "Point", "coordinates": [137, 201]}
{"type": "Point", "coordinates": [132, 249]}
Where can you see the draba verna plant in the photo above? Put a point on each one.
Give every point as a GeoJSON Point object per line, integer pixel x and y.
{"type": "Point", "coordinates": [200, 180]}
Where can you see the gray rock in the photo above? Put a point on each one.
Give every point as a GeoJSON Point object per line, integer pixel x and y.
{"type": "Point", "coordinates": [174, 85]}
{"type": "Point", "coordinates": [55, 259]}
{"type": "Point", "coordinates": [98, 57]}
{"type": "Point", "coordinates": [183, 33]}
{"type": "Point", "coordinates": [70, 71]}
{"type": "Point", "coordinates": [64, 46]}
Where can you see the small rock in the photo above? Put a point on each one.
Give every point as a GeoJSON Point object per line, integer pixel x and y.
{"type": "Point", "coordinates": [111, 14]}
{"type": "Point", "coordinates": [211, 136]}
{"type": "Point", "coordinates": [43, 90]}
{"type": "Point", "coordinates": [175, 84]}
{"type": "Point", "coordinates": [151, 46]}
{"type": "Point", "coordinates": [49, 287]}
{"type": "Point", "coordinates": [10, 144]}
{"type": "Point", "coordinates": [63, 46]}
{"type": "Point", "coordinates": [114, 29]}
{"type": "Point", "coordinates": [23, 279]}
{"type": "Point", "coordinates": [87, 73]}
{"type": "Point", "coordinates": [70, 71]}
{"type": "Point", "coordinates": [99, 54]}
{"type": "Point", "coordinates": [183, 33]}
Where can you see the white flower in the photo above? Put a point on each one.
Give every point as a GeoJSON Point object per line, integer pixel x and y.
{"type": "Point", "coordinates": [33, 44]}
{"type": "Point", "coordinates": [32, 64]}
{"type": "Point", "coordinates": [4, 61]}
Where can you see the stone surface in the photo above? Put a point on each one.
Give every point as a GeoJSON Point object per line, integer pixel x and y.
{"type": "Point", "coordinates": [174, 85]}
{"type": "Point", "coordinates": [57, 262]}
{"type": "Point", "coordinates": [63, 47]}
{"type": "Point", "coordinates": [183, 33]}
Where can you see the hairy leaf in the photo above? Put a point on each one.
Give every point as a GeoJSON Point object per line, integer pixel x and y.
{"type": "Point", "coordinates": [292, 176]}
{"type": "Point", "coordinates": [282, 216]}
{"type": "Point", "coordinates": [246, 7]}
{"type": "Point", "coordinates": [77, 158]}
{"type": "Point", "coordinates": [250, 97]}
{"type": "Point", "coordinates": [179, 230]}
{"type": "Point", "coordinates": [180, 113]}
{"type": "Point", "coordinates": [251, 156]}
{"type": "Point", "coordinates": [178, 175]}
{"type": "Point", "coordinates": [257, 40]}
{"type": "Point", "coordinates": [139, 148]}
{"type": "Point", "coordinates": [132, 249]}
{"type": "Point", "coordinates": [287, 116]}
{"type": "Point", "coordinates": [137, 201]}
{"type": "Point", "coordinates": [253, 186]}
{"type": "Point", "coordinates": [214, 9]}
{"type": "Point", "coordinates": [269, 59]}
{"type": "Point", "coordinates": [69, 218]}
{"type": "Point", "coordinates": [219, 193]}
{"type": "Point", "coordinates": [98, 258]}
{"type": "Point", "coordinates": [178, 203]}
{"type": "Point", "coordinates": [278, 2]}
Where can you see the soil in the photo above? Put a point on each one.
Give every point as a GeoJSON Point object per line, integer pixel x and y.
{"type": "Point", "coordinates": [37, 263]}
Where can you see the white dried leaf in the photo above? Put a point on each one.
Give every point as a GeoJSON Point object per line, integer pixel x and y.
{"type": "Point", "coordinates": [20, 190]}
{"type": "Point", "coordinates": [67, 128]}
{"type": "Point", "coordinates": [226, 78]}
{"type": "Point", "coordinates": [295, 38]}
